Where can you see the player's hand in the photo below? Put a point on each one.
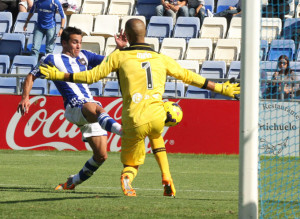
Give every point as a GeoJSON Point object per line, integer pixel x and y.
{"type": "Point", "coordinates": [23, 106]}
{"type": "Point", "coordinates": [230, 89]}
{"type": "Point", "coordinates": [50, 72]}
{"type": "Point", "coordinates": [121, 40]}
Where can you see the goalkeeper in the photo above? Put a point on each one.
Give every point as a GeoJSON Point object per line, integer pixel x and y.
{"type": "Point", "coordinates": [142, 74]}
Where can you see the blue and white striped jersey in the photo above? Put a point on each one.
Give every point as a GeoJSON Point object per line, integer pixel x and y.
{"type": "Point", "coordinates": [73, 94]}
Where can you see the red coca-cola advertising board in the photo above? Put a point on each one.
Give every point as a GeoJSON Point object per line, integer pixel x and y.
{"type": "Point", "coordinates": [208, 126]}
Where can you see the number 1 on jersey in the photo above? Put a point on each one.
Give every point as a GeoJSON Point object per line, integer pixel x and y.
{"type": "Point", "coordinates": [147, 67]}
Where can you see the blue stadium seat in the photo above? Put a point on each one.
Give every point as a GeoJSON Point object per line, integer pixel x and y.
{"type": "Point", "coordinates": [40, 87]}
{"type": "Point", "coordinates": [160, 27]}
{"type": "Point", "coordinates": [23, 64]}
{"type": "Point", "coordinates": [5, 22]}
{"type": "Point", "coordinates": [52, 88]}
{"type": "Point", "coordinates": [4, 64]}
{"type": "Point", "coordinates": [210, 5]}
{"type": "Point", "coordinates": [8, 85]}
{"type": "Point", "coordinates": [269, 67]}
{"type": "Point", "coordinates": [297, 53]}
{"type": "Point", "coordinates": [96, 88]}
{"type": "Point", "coordinates": [187, 28]}
{"type": "Point", "coordinates": [295, 66]}
{"type": "Point", "coordinates": [198, 93]}
{"type": "Point", "coordinates": [264, 49]}
{"type": "Point", "coordinates": [213, 69]}
{"type": "Point", "coordinates": [20, 21]}
{"type": "Point", "coordinates": [224, 4]}
{"type": "Point", "coordinates": [112, 88]}
{"type": "Point", "coordinates": [291, 30]}
{"type": "Point", "coordinates": [281, 47]}
{"type": "Point", "coordinates": [12, 44]}
{"type": "Point", "coordinates": [172, 87]}
{"type": "Point", "coordinates": [220, 96]}
{"type": "Point", "coordinates": [30, 44]}
{"type": "Point", "coordinates": [234, 69]}
{"type": "Point", "coordinates": [146, 8]}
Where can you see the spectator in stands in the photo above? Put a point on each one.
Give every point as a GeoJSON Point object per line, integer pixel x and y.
{"type": "Point", "coordinates": [3, 6]}
{"type": "Point", "coordinates": [276, 8]}
{"type": "Point", "coordinates": [81, 108]}
{"type": "Point", "coordinates": [46, 24]}
{"type": "Point", "coordinates": [195, 8]}
{"type": "Point", "coordinates": [232, 11]}
{"type": "Point", "coordinates": [286, 89]}
{"type": "Point", "coordinates": [25, 5]}
{"type": "Point", "coordinates": [171, 8]}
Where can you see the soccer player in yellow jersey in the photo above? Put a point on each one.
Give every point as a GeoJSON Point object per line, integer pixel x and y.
{"type": "Point", "coordinates": [142, 74]}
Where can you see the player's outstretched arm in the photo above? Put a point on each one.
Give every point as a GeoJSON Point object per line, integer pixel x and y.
{"type": "Point", "coordinates": [24, 104]}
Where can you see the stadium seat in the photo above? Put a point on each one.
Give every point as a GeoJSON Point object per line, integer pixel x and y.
{"type": "Point", "coordinates": [23, 64]}
{"type": "Point", "coordinates": [264, 48]}
{"type": "Point", "coordinates": [297, 54]}
{"type": "Point", "coordinates": [235, 28]}
{"type": "Point", "coordinates": [174, 89]}
{"type": "Point", "coordinates": [270, 28]}
{"type": "Point", "coordinates": [154, 43]}
{"type": "Point", "coordinates": [199, 49]}
{"type": "Point", "coordinates": [281, 47]}
{"type": "Point", "coordinates": [4, 64]}
{"type": "Point", "coordinates": [8, 85]}
{"type": "Point", "coordinates": [112, 88]}
{"type": "Point", "coordinates": [191, 65]}
{"type": "Point", "coordinates": [121, 7]}
{"type": "Point", "coordinates": [52, 88]}
{"type": "Point", "coordinates": [146, 8]}
{"type": "Point", "coordinates": [213, 28]}
{"type": "Point", "coordinates": [220, 96]}
{"type": "Point", "coordinates": [94, 7]}
{"type": "Point", "coordinates": [94, 44]}
{"type": "Point", "coordinates": [187, 28]}
{"type": "Point", "coordinates": [213, 69]}
{"type": "Point", "coordinates": [234, 69]}
{"type": "Point", "coordinates": [227, 50]}
{"type": "Point", "coordinates": [12, 44]}
{"type": "Point", "coordinates": [210, 5]}
{"type": "Point", "coordinates": [82, 21]}
{"type": "Point", "coordinates": [57, 49]}
{"type": "Point", "coordinates": [40, 87]}
{"type": "Point", "coordinates": [269, 67]}
{"type": "Point", "coordinates": [291, 30]}
{"type": "Point", "coordinates": [20, 21]}
{"type": "Point", "coordinates": [106, 25]}
{"type": "Point", "coordinates": [5, 22]}
{"type": "Point", "coordinates": [291, 13]}
{"type": "Point", "coordinates": [110, 46]}
{"type": "Point", "coordinates": [126, 18]}
{"type": "Point", "coordinates": [173, 47]}
{"type": "Point", "coordinates": [297, 12]}
{"type": "Point", "coordinates": [160, 27]}
{"type": "Point", "coordinates": [30, 44]}
{"type": "Point", "coordinates": [224, 4]}
{"type": "Point", "coordinates": [197, 93]}
{"type": "Point", "coordinates": [96, 88]}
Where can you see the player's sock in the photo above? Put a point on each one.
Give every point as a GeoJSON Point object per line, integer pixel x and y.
{"type": "Point", "coordinates": [87, 171]}
{"type": "Point", "coordinates": [109, 124]}
{"type": "Point", "coordinates": [131, 172]}
{"type": "Point", "coordinates": [162, 160]}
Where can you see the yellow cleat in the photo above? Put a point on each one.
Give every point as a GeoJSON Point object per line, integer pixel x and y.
{"type": "Point", "coordinates": [169, 188]}
{"type": "Point", "coordinates": [126, 186]}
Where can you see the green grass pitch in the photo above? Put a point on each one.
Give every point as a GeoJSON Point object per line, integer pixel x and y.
{"type": "Point", "coordinates": [207, 187]}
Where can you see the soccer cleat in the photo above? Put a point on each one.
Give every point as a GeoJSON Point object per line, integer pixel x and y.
{"type": "Point", "coordinates": [67, 185]}
{"type": "Point", "coordinates": [126, 186]}
{"type": "Point", "coordinates": [169, 188]}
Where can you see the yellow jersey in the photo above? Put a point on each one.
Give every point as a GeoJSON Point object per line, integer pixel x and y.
{"type": "Point", "coordinates": [142, 75]}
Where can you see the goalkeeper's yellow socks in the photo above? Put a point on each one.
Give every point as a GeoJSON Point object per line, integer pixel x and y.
{"type": "Point", "coordinates": [162, 160]}
{"type": "Point", "coordinates": [131, 172]}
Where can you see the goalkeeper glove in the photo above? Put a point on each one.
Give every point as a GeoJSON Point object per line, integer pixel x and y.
{"type": "Point", "coordinates": [228, 89]}
{"type": "Point", "coordinates": [50, 72]}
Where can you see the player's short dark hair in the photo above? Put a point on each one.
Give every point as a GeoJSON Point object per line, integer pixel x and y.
{"type": "Point", "coordinates": [65, 36]}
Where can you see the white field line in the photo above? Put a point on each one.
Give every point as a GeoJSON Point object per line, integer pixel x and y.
{"type": "Point", "coordinates": [117, 188]}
